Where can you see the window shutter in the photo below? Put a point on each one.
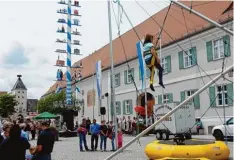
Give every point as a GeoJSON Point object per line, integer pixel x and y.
{"type": "Point", "coordinates": [181, 60]}
{"type": "Point", "coordinates": [194, 56]}
{"type": "Point", "coordinates": [226, 40]}
{"type": "Point", "coordinates": [209, 51]}
{"type": "Point", "coordinates": [132, 72]}
{"type": "Point", "coordinates": [170, 97]}
{"type": "Point", "coordinates": [159, 99]}
{"type": "Point", "coordinates": [124, 111]}
{"type": "Point", "coordinates": [182, 96]}
{"type": "Point", "coordinates": [119, 79]}
{"type": "Point", "coordinates": [196, 101]}
{"type": "Point", "coordinates": [212, 96]}
{"type": "Point", "coordinates": [119, 107]}
{"type": "Point", "coordinates": [125, 77]}
{"type": "Point", "coordinates": [131, 107]}
{"type": "Point", "coordinates": [139, 74]}
{"type": "Point", "coordinates": [230, 93]}
{"type": "Point", "coordinates": [168, 59]}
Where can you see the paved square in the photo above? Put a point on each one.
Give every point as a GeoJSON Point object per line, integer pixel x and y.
{"type": "Point", "coordinates": [68, 149]}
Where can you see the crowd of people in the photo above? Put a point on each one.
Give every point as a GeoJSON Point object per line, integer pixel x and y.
{"type": "Point", "coordinates": [14, 140]}
{"type": "Point", "coordinates": [104, 131]}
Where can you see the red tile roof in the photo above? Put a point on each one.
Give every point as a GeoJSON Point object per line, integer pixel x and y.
{"type": "Point", "coordinates": [3, 92]}
{"type": "Point", "coordinates": [175, 26]}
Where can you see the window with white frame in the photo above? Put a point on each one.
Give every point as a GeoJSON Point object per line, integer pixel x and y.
{"type": "Point", "coordinates": [128, 105]}
{"type": "Point", "coordinates": [164, 64]}
{"type": "Point", "coordinates": [222, 96]}
{"type": "Point", "coordinates": [117, 79]}
{"type": "Point", "coordinates": [129, 76]}
{"type": "Point", "coordinates": [118, 107]}
{"type": "Point", "coordinates": [166, 98]}
{"type": "Point", "coordinates": [189, 93]}
{"type": "Point", "coordinates": [188, 59]}
{"type": "Point", "coordinates": [218, 49]}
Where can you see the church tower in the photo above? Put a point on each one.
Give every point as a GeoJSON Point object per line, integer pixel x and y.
{"type": "Point", "coordinates": [20, 92]}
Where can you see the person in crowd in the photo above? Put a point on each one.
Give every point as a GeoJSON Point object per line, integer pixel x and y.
{"type": "Point", "coordinates": [64, 127]}
{"type": "Point", "coordinates": [94, 130]}
{"type": "Point", "coordinates": [199, 125]}
{"type": "Point", "coordinates": [27, 128]}
{"type": "Point", "coordinates": [23, 133]}
{"type": "Point", "coordinates": [45, 143]}
{"type": "Point", "coordinates": [14, 147]}
{"type": "Point", "coordinates": [120, 138]}
{"type": "Point", "coordinates": [33, 130]}
{"type": "Point", "coordinates": [82, 131]}
{"type": "Point", "coordinates": [111, 134]}
{"type": "Point", "coordinates": [88, 123]}
{"type": "Point", "coordinates": [124, 125]}
{"type": "Point", "coordinates": [76, 126]}
{"type": "Point", "coordinates": [129, 125]}
{"type": "Point", "coordinates": [134, 126]}
{"type": "Point", "coordinates": [6, 130]}
{"type": "Point", "coordinates": [103, 134]}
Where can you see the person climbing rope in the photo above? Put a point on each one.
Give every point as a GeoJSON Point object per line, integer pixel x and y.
{"type": "Point", "coordinates": [152, 61]}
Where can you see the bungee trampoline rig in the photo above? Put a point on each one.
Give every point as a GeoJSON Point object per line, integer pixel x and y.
{"type": "Point", "coordinates": [179, 148]}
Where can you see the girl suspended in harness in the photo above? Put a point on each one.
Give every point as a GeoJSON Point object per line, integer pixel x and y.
{"type": "Point", "coordinates": [152, 61]}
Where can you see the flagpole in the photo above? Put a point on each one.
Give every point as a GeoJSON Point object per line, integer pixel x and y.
{"type": "Point", "coordinates": [93, 90]}
{"type": "Point", "coordinates": [112, 75]}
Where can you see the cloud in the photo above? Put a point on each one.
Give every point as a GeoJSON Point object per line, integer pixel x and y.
{"type": "Point", "coordinates": [16, 56]}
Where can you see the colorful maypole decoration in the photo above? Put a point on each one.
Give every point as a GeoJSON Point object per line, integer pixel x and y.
{"type": "Point", "coordinates": [69, 32]}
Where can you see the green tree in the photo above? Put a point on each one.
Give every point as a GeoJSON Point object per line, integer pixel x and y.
{"type": "Point", "coordinates": [50, 103]}
{"type": "Point", "coordinates": [7, 105]}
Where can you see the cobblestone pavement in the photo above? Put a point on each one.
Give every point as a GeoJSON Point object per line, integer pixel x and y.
{"type": "Point", "coordinates": [68, 149]}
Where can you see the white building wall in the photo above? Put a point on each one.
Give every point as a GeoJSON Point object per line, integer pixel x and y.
{"type": "Point", "coordinates": [176, 81]}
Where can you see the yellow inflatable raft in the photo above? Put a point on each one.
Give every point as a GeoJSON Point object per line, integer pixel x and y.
{"type": "Point", "coordinates": [194, 149]}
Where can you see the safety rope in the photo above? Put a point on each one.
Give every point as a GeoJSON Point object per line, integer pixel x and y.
{"type": "Point", "coordinates": [127, 60]}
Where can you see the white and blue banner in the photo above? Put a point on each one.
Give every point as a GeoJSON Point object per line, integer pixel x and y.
{"type": "Point", "coordinates": [141, 62]}
{"type": "Point", "coordinates": [99, 78]}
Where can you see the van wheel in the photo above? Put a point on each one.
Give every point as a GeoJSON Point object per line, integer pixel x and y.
{"type": "Point", "coordinates": [218, 135]}
{"type": "Point", "coordinates": [158, 135]}
{"type": "Point", "coordinates": [165, 136]}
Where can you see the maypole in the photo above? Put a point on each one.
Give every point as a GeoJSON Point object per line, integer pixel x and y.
{"type": "Point", "coordinates": [69, 79]}
{"type": "Point", "coordinates": [69, 43]}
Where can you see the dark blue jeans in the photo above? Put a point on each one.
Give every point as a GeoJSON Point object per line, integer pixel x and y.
{"type": "Point", "coordinates": [82, 138]}
{"type": "Point", "coordinates": [42, 157]}
{"type": "Point", "coordinates": [103, 139]}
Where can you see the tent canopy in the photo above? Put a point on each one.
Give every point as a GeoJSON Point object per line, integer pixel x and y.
{"type": "Point", "coordinates": [46, 115]}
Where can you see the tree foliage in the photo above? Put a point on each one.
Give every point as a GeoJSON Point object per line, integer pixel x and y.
{"type": "Point", "coordinates": [54, 103]}
{"type": "Point", "coordinates": [7, 105]}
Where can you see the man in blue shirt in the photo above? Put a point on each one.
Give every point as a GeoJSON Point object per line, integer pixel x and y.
{"type": "Point", "coordinates": [94, 130]}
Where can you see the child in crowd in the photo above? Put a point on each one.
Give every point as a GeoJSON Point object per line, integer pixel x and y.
{"type": "Point", "coordinates": [120, 138]}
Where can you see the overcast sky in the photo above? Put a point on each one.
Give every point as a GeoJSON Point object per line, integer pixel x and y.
{"type": "Point", "coordinates": [28, 34]}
